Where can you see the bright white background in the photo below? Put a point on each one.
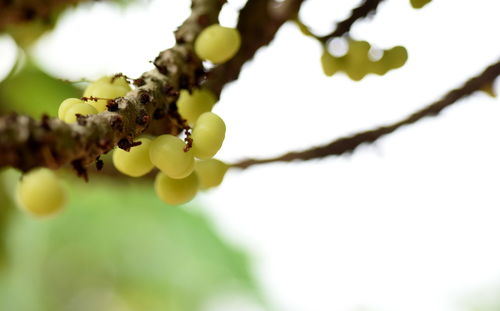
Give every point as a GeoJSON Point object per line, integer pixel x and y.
{"type": "Point", "coordinates": [409, 223]}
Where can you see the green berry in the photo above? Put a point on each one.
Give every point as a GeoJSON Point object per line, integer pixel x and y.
{"type": "Point", "coordinates": [210, 172]}
{"type": "Point", "coordinates": [191, 106]}
{"type": "Point", "coordinates": [40, 193]}
{"type": "Point", "coordinates": [208, 134]}
{"type": "Point", "coordinates": [106, 88]}
{"type": "Point", "coordinates": [217, 44]}
{"type": "Point", "coordinates": [176, 191]}
{"type": "Point", "coordinates": [79, 108]}
{"type": "Point", "coordinates": [66, 104]}
{"type": "Point", "coordinates": [167, 153]}
{"type": "Point", "coordinates": [329, 64]}
{"type": "Point", "coordinates": [395, 57]}
{"type": "Point", "coordinates": [136, 162]}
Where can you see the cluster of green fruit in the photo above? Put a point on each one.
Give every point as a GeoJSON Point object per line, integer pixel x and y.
{"type": "Point", "coordinates": [40, 192]}
{"type": "Point", "coordinates": [183, 170]}
{"type": "Point", "coordinates": [356, 63]}
{"type": "Point", "coordinates": [96, 95]}
{"type": "Point", "coordinates": [184, 167]}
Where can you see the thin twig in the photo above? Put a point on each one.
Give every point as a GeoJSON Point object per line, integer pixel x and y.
{"type": "Point", "coordinates": [350, 143]}
{"type": "Point", "coordinates": [366, 8]}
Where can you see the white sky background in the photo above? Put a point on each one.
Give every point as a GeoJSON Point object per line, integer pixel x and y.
{"type": "Point", "coordinates": [410, 223]}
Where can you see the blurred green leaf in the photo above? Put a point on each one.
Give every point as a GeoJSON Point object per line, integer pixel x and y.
{"type": "Point", "coordinates": [119, 248]}
{"type": "Point", "coordinates": [5, 211]}
{"type": "Point", "coordinates": [32, 91]}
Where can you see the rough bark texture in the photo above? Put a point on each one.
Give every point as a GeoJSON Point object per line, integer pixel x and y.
{"type": "Point", "coordinates": [350, 143]}
{"type": "Point", "coordinates": [26, 143]}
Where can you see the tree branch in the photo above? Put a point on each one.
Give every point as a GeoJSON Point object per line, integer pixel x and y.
{"type": "Point", "coordinates": [366, 8]}
{"type": "Point", "coordinates": [258, 23]}
{"type": "Point", "coordinates": [26, 143]}
{"type": "Point", "coordinates": [350, 143]}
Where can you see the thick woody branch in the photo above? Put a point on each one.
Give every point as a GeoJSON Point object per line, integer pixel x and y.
{"type": "Point", "coordinates": [259, 20]}
{"type": "Point", "coordinates": [26, 143]}
{"type": "Point", "coordinates": [350, 143]}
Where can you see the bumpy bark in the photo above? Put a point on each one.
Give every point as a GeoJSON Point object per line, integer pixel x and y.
{"type": "Point", "coordinates": [26, 143]}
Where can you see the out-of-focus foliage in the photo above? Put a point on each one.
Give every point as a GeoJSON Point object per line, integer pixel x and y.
{"type": "Point", "coordinates": [26, 34]}
{"type": "Point", "coordinates": [5, 207]}
{"type": "Point", "coordinates": [486, 299]}
{"type": "Point", "coordinates": [125, 251]}
{"type": "Point", "coordinates": [32, 91]}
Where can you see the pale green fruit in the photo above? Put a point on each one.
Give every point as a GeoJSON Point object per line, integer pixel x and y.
{"type": "Point", "coordinates": [176, 191]}
{"type": "Point", "coordinates": [40, 193]}
{"type": "Point", "coordinates": [379, 67]}
{"type": "Point", "coordinates": [118, 81]}
{"type": "Point", "coordinates": [66, 104]}
{"type": "Point", "coordinates": [104, 88]}
{"type": "Point", "coordinates": [210, 172]}
{"type": "Point", "coordinates": [136, 162]}
{"type": "Point", "coordinates": [167, 153]}
{"type": "Point", "coordinates": [358, 52]}
{"type": "Point", "coordinates": [107, 80]}
{"type": "Point", "coordinates": [395, 57]}
{"type": "Point", "coordinates": [356, 73]}
{"type": "Point", "coordinates": [208, 134]}
{"type": "Point", "coordinates": [329, 64]}
{"type": "Point", "coordinates": [217, 44]}
{"type": "Point", "coordinates": [79, 108]}
{"type": "Point", "coordinates": [191, 106]}
{"type": "Point", "coordinates": [418, 4]}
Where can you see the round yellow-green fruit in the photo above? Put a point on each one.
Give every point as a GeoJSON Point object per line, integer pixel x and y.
{"type": "Point", "coordinates": [136, 162]}
{"type": "Point", "coordinates": [208, 135]}
{"type": "Point", "coordinates": [191, 106]}
{"type": "Point", "coordinates": [210, 172]}
{"type": "Point", "coordinates": [66, 104]}
{"type": "Point", "coordinates": [40, 193]}
{"type": "Point", "coordinates": [217, 44]}
{"type": "Point", "coordinates": [395, 57]}
{"type": "Point", "coordinates": [107, 88]}
{"type": "Point", "coordinates": [328, 64]}
{"type": "Point", "coordinates": [167, 153]}
{"type": "Point", "coordinates": [79, 108]}
{"type": "Point", "coordinates": [176, 191]}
